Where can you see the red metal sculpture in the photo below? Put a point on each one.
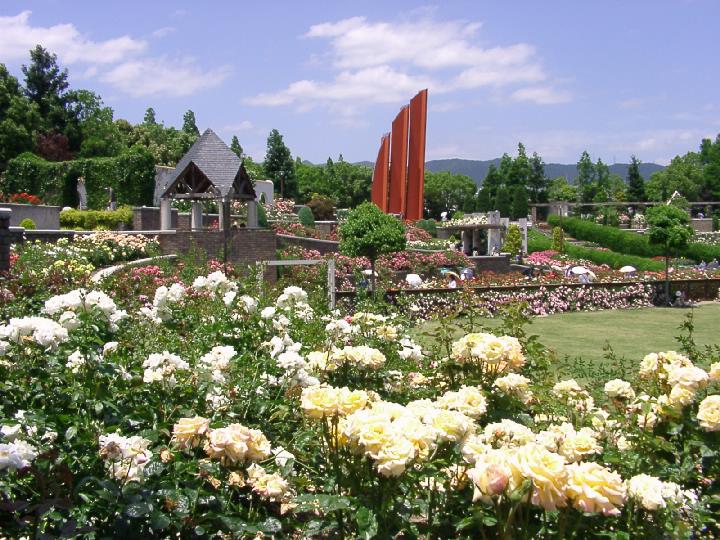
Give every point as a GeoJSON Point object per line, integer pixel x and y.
{"type": "Point", "coordinates": [379, 191]}
{"type": "Point", "coordinates": [398, 162]}
{"type": "Point", "coordinates": [416, 165]}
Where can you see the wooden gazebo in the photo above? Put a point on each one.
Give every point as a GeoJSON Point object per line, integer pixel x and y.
{"type": "Point", "coordinates": [209, 171]}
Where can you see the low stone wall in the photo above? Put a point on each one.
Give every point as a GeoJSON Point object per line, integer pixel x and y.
{"type": "Point", "coordinates": [44, 217]}
{"type": "Point", "coordinates": [326, 226]}
{"type": "Point", "coordinates": [323, 246]}
{"type": "Point", "coordinates": [147, 218]}
{"type": "Point", "coordinates": [702, 225]}
{"type": "Point", "coordinates": [244, 246]}
{"type": "Point", "coordinates": [500, 264]}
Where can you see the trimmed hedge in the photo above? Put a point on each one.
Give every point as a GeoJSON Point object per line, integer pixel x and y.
{"type": "Point", "coordinates": [130, 175]}
{"type": "Point", "coordinates": [627, 242]}
{"type": "Point", "coordinates": [96, 219]}
{"type": "Point", "coordinates": [538, 242]}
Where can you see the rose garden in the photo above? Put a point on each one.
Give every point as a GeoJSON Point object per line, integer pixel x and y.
{"type": "Point", "coordinates": [217, 361]}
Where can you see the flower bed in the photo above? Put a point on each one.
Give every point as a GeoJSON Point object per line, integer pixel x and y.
{"type": "Point", "coordinates": [215, 410]}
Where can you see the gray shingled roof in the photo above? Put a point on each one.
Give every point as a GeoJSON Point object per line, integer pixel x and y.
{"type": "Point", "coordinates": [216, 161]}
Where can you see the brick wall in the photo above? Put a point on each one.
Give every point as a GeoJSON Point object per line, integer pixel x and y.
{"type": "Point", "coordinates": [147, 218]}
{"type": "Point", "coordinates": [323, 246]}
{"type": "Point", "coordinates": [245, 246]}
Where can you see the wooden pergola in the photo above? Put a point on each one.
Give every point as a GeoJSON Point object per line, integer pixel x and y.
{"type": "Point", "coordinates": [209, 171]}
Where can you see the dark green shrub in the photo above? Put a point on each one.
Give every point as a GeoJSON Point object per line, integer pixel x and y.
{"type": "Point", "coordinates": [322, 207]}
{"type": "Point", "coordinates": [513, 240]}
{"type": "Point", "coordinates": [96, 219]}
{"type": "Point", "coordinates": [558, 240]}
{"type": "Point", "coordinates": [428, 225]}
{"type": "Point", "coordinates": [262, 216]}
{"type": "Point", "coordinates": [28, 223]}
{"type": "Point", "coordinates": [306, 218]}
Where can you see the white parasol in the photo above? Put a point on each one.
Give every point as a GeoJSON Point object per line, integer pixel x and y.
{"type": "Point", "coordinates": [628, 269]}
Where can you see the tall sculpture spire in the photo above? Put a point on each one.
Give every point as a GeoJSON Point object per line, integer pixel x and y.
{"type": "Point", "coordinates": [416, 165]}
{"type": "Point", "coordinates": [379, 187]}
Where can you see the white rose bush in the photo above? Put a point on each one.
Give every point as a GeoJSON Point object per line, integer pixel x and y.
{"type": "Point", "coordinates": [201, 406]}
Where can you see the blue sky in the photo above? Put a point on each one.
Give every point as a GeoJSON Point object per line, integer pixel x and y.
{"type": "Point", "coordinates": [613, 77]}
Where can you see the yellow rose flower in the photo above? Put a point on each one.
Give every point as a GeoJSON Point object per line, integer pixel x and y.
{"type": "Point", "coordinates": [187, 432]}
{"type": "Point", "coordinates": [714, 373]}
{"type": "Point", "coordinates": [709, 413]}
{"type": "Point", "coordinates": [349, 401]}
{"type": "Point", "coordinates": [319, 401]}
{"type": "Point", "coordinates": [595, 489]}
{"type": "Point", "coordinates": [548, 474]}
{"type": "Point", "coordinates": [680, 396]}
{"type": "Point", "coordinates": [394, 457]}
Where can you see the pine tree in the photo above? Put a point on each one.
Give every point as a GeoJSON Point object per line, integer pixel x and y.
{"type": "Point", "coordinates": [502, 202]}
{"type": "Point", "coordinates": [519, 208]}
{"type": "Point", "coordinates": [586, 177]}
{"type": "Point", "coordinates": [537, 181]}
{"type": "Point", "coordinates": [149, 117]}
{"type": "Point", "coordinates": [45, 85]}
{"type": "Point", "coordinates": [279, 165]}
{"type": "Point", "coordinates": [189, 125]}
{"type": "Point", "coordinates": [492, 182]}
{"type": "Point", "coordinates": [635, 182]}
{"type": "Point", "coordinates": [483, 203]}
{"type": "Point", "coordinates": [236, 148]}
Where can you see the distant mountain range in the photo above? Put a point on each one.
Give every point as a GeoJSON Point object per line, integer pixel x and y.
{"type": "Point", "coordinates": [477, 170]}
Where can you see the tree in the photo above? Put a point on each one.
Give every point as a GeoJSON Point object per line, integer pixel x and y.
{"type": "Point", "coordinates": [19, 119]}
{"type": "Point", "coordinates": [684, 174]}
{"type": "Point", "coordinates": [149, 117]}
{"type": "Point", "coordinates": [669, 230]}
{"type": "Point", "coordinates": [520, 170]}
{"type": "Point", "coordinates": [537, 181]}
{"type": "Point", "coordinates": [483, 202]}
{"type": "Point", "coordinates": [586, 177]}
{"type": "Point", "coordinates": [189, 125]}
{"type": "Point", "coordinates": [492, 182]}
{"type": "Point", "coordinates": [635, 182]}
{"type": "Point", "coordinates": [561, 190]}
{"type": "Point", "coordinates": [503, 203]}
{"type": "Point", "coordinates": [279, 165]}
{"type": "Point", "coordinates": [45, 85]}
{"type": "Point", "coordinates": [519, 207]}
{"type": "Point", "coordinates": [602, 180]}
{"type": "Point", "coordinates": [447, 192]}
{"type": "Point", "coordinates": [513, 241]}
{"type": "Point", "coordinates": [369, 232]}
{"type": "Point", "coordinates": [710, 158]}
{"type": "Point", "coordinates": [236, 148]}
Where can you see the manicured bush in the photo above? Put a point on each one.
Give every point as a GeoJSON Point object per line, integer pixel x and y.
{"type": "Point", "coordinates": [428, 225]}
{"type": "Point", "coordinates": [306, 217]}
{"type": "Point", "coordinates": [513, 240]}
{"type": "Point", "coordinates": [130, 175]}
{"type": "Point", "coordinates": [262, 216]}
{"type": "Point", "coordinates": [323, 208]}
{"type": "Point", "coordinates": [96, 219]}
{"type": "Point", "coordinates": [28, 223]}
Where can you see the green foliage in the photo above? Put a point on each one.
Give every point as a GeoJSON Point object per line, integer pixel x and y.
{"type": "Point", "coordinates": [322, 207]}
{"type": "Point", "coordinates": [262, 216]}
{"type": "Point", "coordinates": [279, 165]}
{"type": "Point", "coordinates": [483, 202]}
{"type": "Point", "coordinates": [28, 223]}
{"type": "Point", "coordinates": [19, 118]}
{"type": "Point", "coordinates": [189, 126]}
{"type": "Point", "coordinates": [428, 225]}
{"type": "Point", "coordinates": [513, 240]}
{"type": "Point", "coordinates": [345, 183]}
{"type": "Point", "coordinates": [131, 175]}
{"type": "Point", "coordinates": [235, 147]}
{"type": "Point", "coordinates": [668, 228]}
{"type": "Point", "coordinates": [96, 219]}
{"type": "Point", "coordinates": [684, 175]}
{"type": "Point", "coordinates": [503, 203]}
{"type": "Point", "coordinates": [558, 240]}
{"type": "Point", "coordinates": [368, 232]}
{"type": "Point", "coordinates": [635, 182]}
{"type": "Point", "coordinates": [561, 190]}
{"type": "Point", "coordinates": [446, 192]}
{"type": "Point", "coordinates": [520, 204]}
{"type": "Point", "coordinates": [306, 218]}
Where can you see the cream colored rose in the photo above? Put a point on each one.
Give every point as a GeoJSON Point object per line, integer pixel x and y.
{"type": "Point", "coordinates": [468, 400]}
{"type": "Point", "coordinates": [451, 425]}
{"type": "Point", "coordinates": [579, 444]}
{"type": "Point", "coordinates": [319, 401]}
{"type": "Point", "coordinates": [393, 458]}
{"type": "Point", "coordinates": [188, 432]}
{"type": "Point", "coordinates": [272, 487]}
{"type": "Point", "coordinates": [349, 401]}
{"type": "Point", "coordinates": [237, 444]}
{"type": "Point", "coordinates": [596, 489]}
{"type": "Point", "coordinates": [490, 478]}
{"type": "Point", "coordinates": [619, 389]}
{"type": "Point", "coordinates": [709, 413]}
{"type": "Point", "coordinates": [690, 377]}
{"type": "Point", "coordinates": [647, 490]}
{"type": "Point", "coordinates": [680, 396]}
{"type": "Point", "coordinates": [548, 473]}
{"type": "Point", "coordinates": [714, 373]}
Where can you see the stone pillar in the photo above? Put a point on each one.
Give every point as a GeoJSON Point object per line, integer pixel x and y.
{"type": "Point", "coordinates": [165, 215]}
{"type": "Point", "coordinates": [5, 238]}
{"type": "Point", "coordinates": [477, 240]}
{"type": "Point", "coordinates": [494, 237]}
{"type": "Point", "coordinates": [196, 216]}
{"type": "Point", "coordinates": [467, 241]}
{"type": "Point", "coordinates": [523, 222]}
{"type": "Point", "coordinates": [252, 214]}
{"type": "Point", "coordinates": [224, 215]}
{"type": "Point", "coordinates": [533, 214]}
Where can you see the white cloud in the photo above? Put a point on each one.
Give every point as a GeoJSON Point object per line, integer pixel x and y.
{"type": "Point", "coordinates": [241, 126]}
{"type": "Point", "coordinates": [17, 37]}
{"type": "Point", "coordinates": [164, 31]}
{"type": "Point", "coordinates": [163, 76]}
{"type": "Point", "coordinates": [387, 62]}
{"type": "Point", "coordinates": [379, 84]}
{"type": "Point", "coordinates": [541, 95]}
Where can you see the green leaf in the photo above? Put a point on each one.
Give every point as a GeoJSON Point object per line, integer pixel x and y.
{"type": "Point", "coordinates": [137, 510]}
{"type": "Point", "coordinates": [159, 521]}
{"type": "Point", "coordinates": [271, 526]}
{"type": "Point", "coordinates": [367, 523]}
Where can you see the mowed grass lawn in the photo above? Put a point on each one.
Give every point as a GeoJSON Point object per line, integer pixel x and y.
{"type": "Point", "coordinates": [631, 333]}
